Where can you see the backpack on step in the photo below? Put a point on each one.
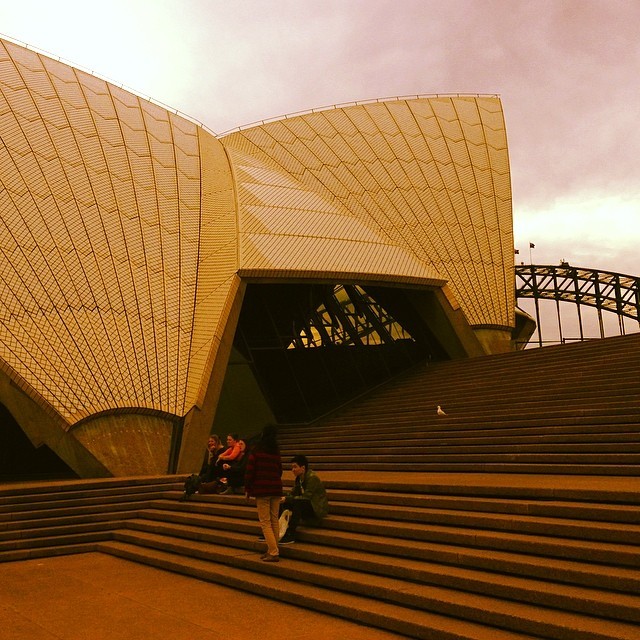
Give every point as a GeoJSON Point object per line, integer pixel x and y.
{"type": "Point", "coordinates": [192, 484]}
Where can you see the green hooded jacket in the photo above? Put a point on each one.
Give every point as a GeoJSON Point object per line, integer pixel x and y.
{"type": "Point", "coordinates": [312, 489]}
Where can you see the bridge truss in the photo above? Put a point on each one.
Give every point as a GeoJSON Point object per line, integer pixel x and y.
{"type": "Point", "coordinates": [603, 290]}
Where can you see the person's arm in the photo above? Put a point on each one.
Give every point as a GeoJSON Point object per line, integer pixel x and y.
{"type": "Point", "coordinates": [230, 454]}
{"type": "Point", "coordinates": [316, 494]}
{"type": "Point", "coordinates": [205, 463]}
{"type": "Point", "coordinates": [310, 487]}
{"type": "Point", "coordinates": [238, 463]}
{"type": "Point", "coordinates": [296, 490]}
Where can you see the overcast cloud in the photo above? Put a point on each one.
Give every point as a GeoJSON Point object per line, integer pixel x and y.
{"type": "Point", "coordinates": [568, 73]}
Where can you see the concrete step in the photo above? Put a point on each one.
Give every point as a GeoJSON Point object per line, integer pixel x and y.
{"type": "Point", "coordinates": [452, 423]}
{"type": "Point", "coordinates": [61, 503]}
{"type": "Point", "coordinates": [27, 529]}
{"type": "Point", "coordinates": [244, 575]}
{"type": "Point", "coordinates": [440, 378]}
{"type": "Point", "coordinates": [603, 542]}
{"type": "Point", "coordinates": [603, 512]}
{"type": "Point", "coordinates": [30, 489]}
{"type": "Point", "coordinates": [615, 532]}
{"type": "Point", "coordinates": [489, 417]}
{"type": "Point", "coordinates": [509, 455]}
{"type": "Point", "coordinates": [562, 388]}
{"type": "Point", "coordinates": [472, 375]}
{"type": "Point", "coordinates": [521, 564]}
{"type": "Point", "coordinates": [416, 451]}
{"type": "Point", "coordinates": [617, 554]}
{"type": "Point", "coordinates": [421, 380]}
{"type": "Point", "coordinates": [541, 392]}
{"type": "Point", "coordinates": [412, 595]}
{"type": "Point", "coordinates": [27, 513]}
{"type": "Point", "coordinates": [419, 547]}
{"type": "Point", "coordinates": [30, 553]}
{"type": "Point", "coordinates": [545, 592]}
{"type": "Point", "coordinates": [586, 490]}
{"type": "Point", "coordinates": [527, 435]}
{"type": "Point", "coordinates": [563, 527]}
{"type": "Point", "coordinates": [63, 539]}
{"type": "Point", "coordinates": [498, 467]}
{"type": "Point", "coordinates": [499, 393]}
{"type": "Point", "coordinates": [62, 494]}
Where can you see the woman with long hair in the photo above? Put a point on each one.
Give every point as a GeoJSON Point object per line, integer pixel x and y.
{"type": "Point", "coordinates": [263, 481]}
{"type": "Point", "coordinates": [214, 447]}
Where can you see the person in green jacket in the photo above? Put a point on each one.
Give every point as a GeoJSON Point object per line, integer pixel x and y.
{"type": "Point", "coordinates": [307, 500]}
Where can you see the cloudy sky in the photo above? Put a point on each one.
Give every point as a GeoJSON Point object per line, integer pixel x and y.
{"type": "Point", "coordinates": [568, 73]}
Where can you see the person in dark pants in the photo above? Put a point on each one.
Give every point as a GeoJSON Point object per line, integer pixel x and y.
{"type": "Point", "coordinates": [307, 500]}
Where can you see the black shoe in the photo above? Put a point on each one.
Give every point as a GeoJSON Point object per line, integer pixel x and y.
{"type": "Point", "coordinates": [287, 539]}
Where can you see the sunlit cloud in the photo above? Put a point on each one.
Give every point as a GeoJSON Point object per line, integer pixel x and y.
{"type": "Point", "coordinates": [599, 220]}
{"type": "Point", "coordinates": [585, 229]}
{"type": "Point", "coordinates": [566, 71]}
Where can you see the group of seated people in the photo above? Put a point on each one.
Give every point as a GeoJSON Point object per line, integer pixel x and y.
{"type": "Point", "coordinates": [223, 471]}
{"type": "Point", "coordinates": [223, 467]}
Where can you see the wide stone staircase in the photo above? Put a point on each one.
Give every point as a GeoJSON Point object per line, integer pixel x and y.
{"type": "Point", "coordinates": [515, 516]}
{"type": "Point", "coordinates": [563, 409]}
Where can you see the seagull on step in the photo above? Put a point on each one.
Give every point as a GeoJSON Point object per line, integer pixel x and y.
{"type": "Point", "coordinates": [440, 411]}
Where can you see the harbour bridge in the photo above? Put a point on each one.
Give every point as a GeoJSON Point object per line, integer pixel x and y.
{"type": "Point", "coordinates": [604, 291]}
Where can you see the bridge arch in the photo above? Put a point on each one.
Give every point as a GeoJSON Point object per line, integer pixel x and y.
{"type": "Point", "coordinates": [606, 291]}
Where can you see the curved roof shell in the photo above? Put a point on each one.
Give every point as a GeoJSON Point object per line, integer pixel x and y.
{"type": "Point", "coordinates": [124, 226]}
{"type": "Point", "coordinates": [109, 279]}
{"type": "Point", "coordinates": [427, 178]}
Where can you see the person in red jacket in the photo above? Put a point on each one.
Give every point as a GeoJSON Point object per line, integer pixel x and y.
{"type": "Point", "coordinates": [232, 451]}
{"type": "Point", "coordinates": [263, 481]}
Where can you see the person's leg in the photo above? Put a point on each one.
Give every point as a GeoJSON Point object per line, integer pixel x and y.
{"type": "Point", "coordinates": [236, 479]}
{"type": "Point", "coordinates": [294, 507]}
{"type": "Point", "coordinates": [208, 487]}
{"type": "Point", "coordinates": [264, 517]}
{"type": "Point", "coordinates": [300, 509]}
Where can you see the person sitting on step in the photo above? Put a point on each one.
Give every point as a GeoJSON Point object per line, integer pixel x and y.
{"type": "Point", "coordinates": [307, 500]}
{"type": "Point", "coordinates": [207, 469]}
{"type": "Point", "coordinates": [214, 449]}
{"type": "Point", "coordinates": [233, 472]}
{"type": "Point", "coordinates": [225, 456]}
{"type": "Point", "coordinates": [229, 476]}
{"type": "Point", "coordinates": [231, 452]}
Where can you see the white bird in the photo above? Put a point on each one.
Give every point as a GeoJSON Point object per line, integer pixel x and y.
{"type": "Point", "coordinates": [440, 411]}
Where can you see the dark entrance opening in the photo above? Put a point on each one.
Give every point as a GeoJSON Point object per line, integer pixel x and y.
{"type": "Point", "coordinates": [314, 347]}
{"type": "Point", "coordinates": [20, 460]}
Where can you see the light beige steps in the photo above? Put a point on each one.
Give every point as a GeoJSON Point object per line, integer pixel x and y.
{"type": "Point", "coordinates": [419, 624]}
{"type": "Point", "coordinates": [412, 596]}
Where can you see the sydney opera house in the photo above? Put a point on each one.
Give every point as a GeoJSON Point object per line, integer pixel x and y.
{"type": "Point", "coordinates": [159, 281]}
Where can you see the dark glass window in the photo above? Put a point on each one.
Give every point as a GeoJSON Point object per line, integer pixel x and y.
{"type": "Point", "coordinates": [314, 347]}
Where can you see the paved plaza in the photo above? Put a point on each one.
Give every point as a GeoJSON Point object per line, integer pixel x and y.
{"type": "Point", "coordinates": [95, 596]}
